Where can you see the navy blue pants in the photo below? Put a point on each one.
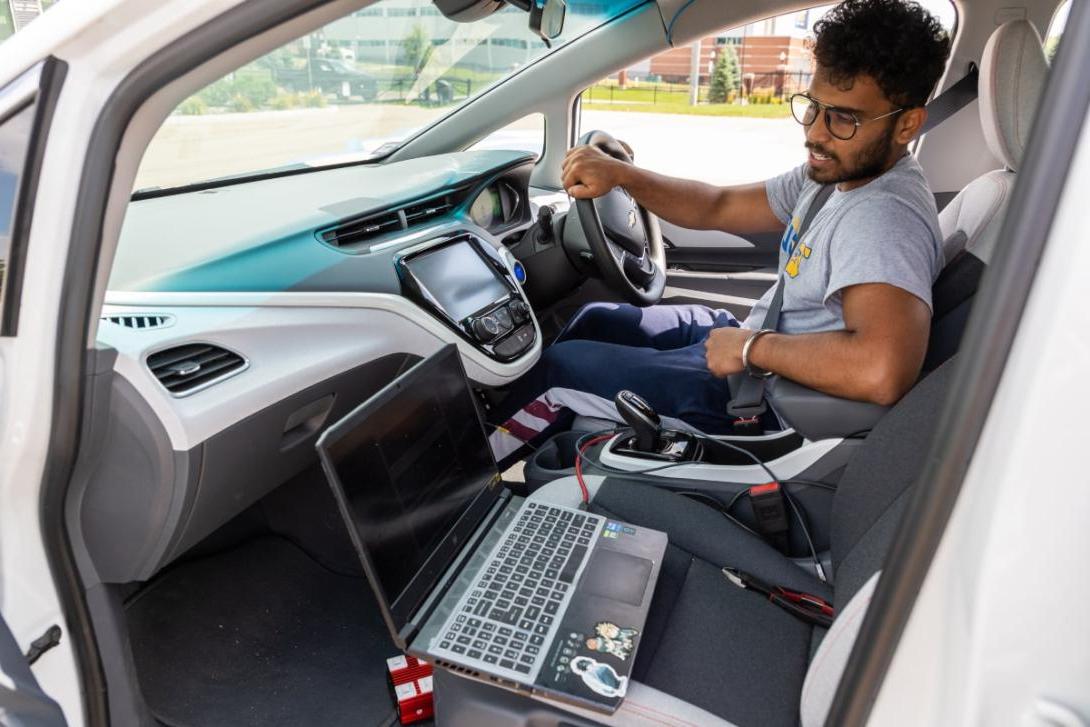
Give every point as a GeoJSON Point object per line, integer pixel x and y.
{"type": "Point", "coordinates": [656, 352]}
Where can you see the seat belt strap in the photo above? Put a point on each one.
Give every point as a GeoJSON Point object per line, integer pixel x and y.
{"type": "Point", "coordinates": [747, 405]}
{"type": "Point", "coordinates": [952, 100]}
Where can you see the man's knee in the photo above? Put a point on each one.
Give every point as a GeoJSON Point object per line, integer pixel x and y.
{"type": "Point", "coordinates": [593, 317]}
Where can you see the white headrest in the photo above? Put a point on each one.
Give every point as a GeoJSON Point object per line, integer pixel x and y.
{"type": "Point", "coordinates": [1012, 76]}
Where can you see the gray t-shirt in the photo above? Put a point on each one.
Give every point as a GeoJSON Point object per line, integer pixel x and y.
{"type": "Point", "coordinates": [886, 231]}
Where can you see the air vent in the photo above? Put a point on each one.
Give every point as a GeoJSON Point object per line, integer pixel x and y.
{"type": "Point", "coordinates": [419, 213]}
{"type": "Point", "coordinates": [184, 370]}
{"type": "Point", "coordinates": [354, 232]}
{"type": "Point", "coordinates": [142, 321]}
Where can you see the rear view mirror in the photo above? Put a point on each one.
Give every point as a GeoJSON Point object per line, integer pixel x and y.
{"type": "Point", "coordinates": [547, 21]}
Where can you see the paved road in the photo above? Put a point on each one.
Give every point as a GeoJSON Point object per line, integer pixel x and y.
{"type": "Point", "coordinates": [720, 150]}
{"type": "Point", "coordinates": [715, 149]}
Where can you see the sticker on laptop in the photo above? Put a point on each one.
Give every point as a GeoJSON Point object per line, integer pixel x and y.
{"type": "Point", "coordinates": [609, 638]}
{"type": "Point", "coordinates": [600, 678]}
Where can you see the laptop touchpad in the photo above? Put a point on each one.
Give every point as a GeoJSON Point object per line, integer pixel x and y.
{"type": "Point", "coordinates": [617, 576]}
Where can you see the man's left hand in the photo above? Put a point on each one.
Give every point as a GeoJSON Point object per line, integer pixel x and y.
{"type": "Point", "coordinates": [723, 350]}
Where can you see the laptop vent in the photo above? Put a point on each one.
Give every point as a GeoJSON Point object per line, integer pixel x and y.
{"type": "Point", "coordinates": [142, 321]}
{"type": "Point", "coordinates": [356, 232]}
{"type": "Point", "coordinates": [187, 369]}
{"type": "Point", "coordinates": [456, 668]}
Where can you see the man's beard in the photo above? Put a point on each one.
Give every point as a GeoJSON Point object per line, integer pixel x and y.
{"type": "Point", "coordinates": [870, 162]}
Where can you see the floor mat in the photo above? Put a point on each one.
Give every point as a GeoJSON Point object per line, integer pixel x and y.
{"type": "Point", "coordinates": [261, 635]}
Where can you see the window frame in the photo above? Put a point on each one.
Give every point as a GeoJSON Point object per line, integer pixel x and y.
{"type": "Point", "coordinates": [36, 89]}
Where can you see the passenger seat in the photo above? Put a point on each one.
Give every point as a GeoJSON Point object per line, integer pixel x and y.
{"type": "Point", "coordinates": [713, 653]}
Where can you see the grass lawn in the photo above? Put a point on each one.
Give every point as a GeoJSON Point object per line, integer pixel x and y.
{"type": "Point", "coordinates": [672, 98]}
{"type": "Point", "coordinates": [755, 111]}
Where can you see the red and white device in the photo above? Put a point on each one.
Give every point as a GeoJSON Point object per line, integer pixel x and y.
{"type": "Point", "coordinates": [410, 679]}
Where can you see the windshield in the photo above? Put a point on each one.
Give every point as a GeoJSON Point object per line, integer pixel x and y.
{"type": "Point", "coordinates": [351, 91]}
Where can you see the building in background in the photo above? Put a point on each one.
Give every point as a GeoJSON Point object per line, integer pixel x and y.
{"type": "Point", "coordinates": [771, 53]}
{"type": "Point", "coordinates": [17, 14]}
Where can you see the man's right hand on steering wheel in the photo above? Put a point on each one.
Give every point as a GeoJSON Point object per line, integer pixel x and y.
{"type": "Point", "coordinates": [587, 172]}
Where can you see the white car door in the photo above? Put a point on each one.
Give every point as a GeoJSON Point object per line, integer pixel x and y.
{"type": "Point", "coordinates": [78, 102]}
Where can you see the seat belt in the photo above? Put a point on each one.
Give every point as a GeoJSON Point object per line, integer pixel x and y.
{"type": "Point", "coordinates": [952, 100]}
{"type": "Point", "coordinates": [748, 404]}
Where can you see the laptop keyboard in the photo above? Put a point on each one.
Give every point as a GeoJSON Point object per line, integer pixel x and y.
{"type": "Point", "coordinates": [507, 618]}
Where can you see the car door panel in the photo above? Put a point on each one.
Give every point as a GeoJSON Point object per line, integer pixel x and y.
{"type": "Point", "coordinates": [717, 268]}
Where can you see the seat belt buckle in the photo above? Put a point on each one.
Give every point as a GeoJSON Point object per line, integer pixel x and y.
{"type": "Point", "coordinates": [748, 426]}
{"type": "Point", "coordinates": [770, 512]}
{"type": "Point", "coordinates": [747, 419]}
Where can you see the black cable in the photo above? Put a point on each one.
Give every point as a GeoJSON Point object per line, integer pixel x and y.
{"type": "Point", "coordinates": [820, 571]}
{"type": "Point", "coordinates": [723, 510]}
{"type": "Point", "coordinates": [810, 483]}
{"type": "Point", "coordinates": [794, 508]}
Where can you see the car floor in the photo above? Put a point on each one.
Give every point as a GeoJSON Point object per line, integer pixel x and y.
{"type": "Point", "coordinates": [261, 634]}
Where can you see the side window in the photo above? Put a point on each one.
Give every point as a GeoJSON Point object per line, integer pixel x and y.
{"type": "Point", "coordinates": [525, 134]}
{"type": "Point", "coordinates": [15, 135]}
{"type": "Point", "coordinates": [730, 123]}
{"type": "Point", "coordinates": [1056, 30]}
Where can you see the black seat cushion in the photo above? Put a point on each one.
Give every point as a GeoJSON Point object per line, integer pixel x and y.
{"type": "Point", "coordinates": [707, 641]}
{"type": "Point", "coordinates": [876, 482]}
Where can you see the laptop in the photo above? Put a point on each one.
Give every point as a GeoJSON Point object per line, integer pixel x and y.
{"type": "Point", "coordinates": [531, 596]}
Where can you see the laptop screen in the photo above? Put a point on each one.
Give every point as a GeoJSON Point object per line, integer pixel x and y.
{"type": "Point", "coordinates": [413, 475]}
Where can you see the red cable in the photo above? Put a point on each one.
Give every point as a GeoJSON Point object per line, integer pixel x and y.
{"type": "Point", "coordinates": [579, 464]}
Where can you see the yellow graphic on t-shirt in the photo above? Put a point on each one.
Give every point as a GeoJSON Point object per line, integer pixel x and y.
{"type": "Point", "coordinates": [802, 251]}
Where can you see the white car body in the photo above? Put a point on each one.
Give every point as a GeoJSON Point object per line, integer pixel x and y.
{"type": "Point", "coordinates": [998, 633]}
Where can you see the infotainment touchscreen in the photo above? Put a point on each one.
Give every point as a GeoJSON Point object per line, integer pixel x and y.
{"type": "Point", "coordinates": [459, 280]}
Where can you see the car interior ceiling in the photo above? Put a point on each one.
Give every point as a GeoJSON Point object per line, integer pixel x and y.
{"type": "Point", "coordinates": [270, 620]}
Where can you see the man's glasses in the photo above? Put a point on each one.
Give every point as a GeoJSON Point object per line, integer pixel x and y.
{"type": "Point", "coordinates": [841, 124]}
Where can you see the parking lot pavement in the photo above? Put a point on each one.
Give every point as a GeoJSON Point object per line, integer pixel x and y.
{"type": "Point", "coordinates": [719, 150]}
{"type": "Point", "coordinates": [714, 149]}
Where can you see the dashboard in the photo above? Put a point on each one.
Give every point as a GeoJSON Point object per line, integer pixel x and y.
{"type": "Point", "coordinates": [241, 321]}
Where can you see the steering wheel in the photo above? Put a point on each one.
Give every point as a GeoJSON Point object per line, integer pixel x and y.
{"type": "Point", "coordinates": [624, 238]}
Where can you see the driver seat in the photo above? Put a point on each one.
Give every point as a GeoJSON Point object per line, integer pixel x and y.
{"type": "Point", "coordinates": [1013, 71]}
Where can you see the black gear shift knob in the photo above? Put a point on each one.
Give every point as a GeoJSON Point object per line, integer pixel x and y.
{"type": "Point", "coordinates": [639, 415]}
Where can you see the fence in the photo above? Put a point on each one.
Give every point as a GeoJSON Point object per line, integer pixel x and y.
{"type": "Point", "coordinates": [773, 87]}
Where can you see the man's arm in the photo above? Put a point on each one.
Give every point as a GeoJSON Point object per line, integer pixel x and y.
{"type": "Point", "coordinates": [877, 357]}
{"type": "Point", "coordinates": [587, 172]}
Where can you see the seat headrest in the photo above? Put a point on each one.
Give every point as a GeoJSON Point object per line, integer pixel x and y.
{"type": "Point", "coordinates": [1012, 76]}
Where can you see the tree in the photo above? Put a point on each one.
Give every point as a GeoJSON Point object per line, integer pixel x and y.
{"type": "Point", "coordinates": [724, 75]}
{"type": "Point", "coordinates": [416, 49]}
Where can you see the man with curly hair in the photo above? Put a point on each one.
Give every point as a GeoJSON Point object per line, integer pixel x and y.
{"type": "Point", "coordinates": [857, 286]}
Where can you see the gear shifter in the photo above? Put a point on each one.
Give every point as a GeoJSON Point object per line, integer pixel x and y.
{"type": "Point", "coordinates": [639, 415]}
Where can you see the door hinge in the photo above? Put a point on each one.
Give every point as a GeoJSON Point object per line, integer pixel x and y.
{"type": "Point", "coordinates": [43, 643]}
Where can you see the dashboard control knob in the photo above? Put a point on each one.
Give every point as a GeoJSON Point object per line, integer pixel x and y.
{"type": "Point", "coordinates": [520, 311]}
{"type": "Point", "coordinates": [485, 328]}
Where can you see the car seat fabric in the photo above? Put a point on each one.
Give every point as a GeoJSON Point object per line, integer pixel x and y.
{"type": "Point", "coordinates": [872, 490]}
{"type": "Point", "coordinates": [823, 676]}
{"type": "Point", "coordinates": [1012, 78]}
{"type": "Point", "coordinates": [1013, 71]}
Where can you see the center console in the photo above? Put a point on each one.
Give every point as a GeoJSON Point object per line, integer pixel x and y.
{"type": "Point", "coordinates": [463, 281]}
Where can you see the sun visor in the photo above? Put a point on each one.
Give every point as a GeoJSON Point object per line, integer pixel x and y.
{"type": "Point", "coordinates": [468, 11]}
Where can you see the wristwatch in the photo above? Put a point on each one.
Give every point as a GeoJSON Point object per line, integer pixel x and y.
{"type": "Point", "coordinates": [754, 372]}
